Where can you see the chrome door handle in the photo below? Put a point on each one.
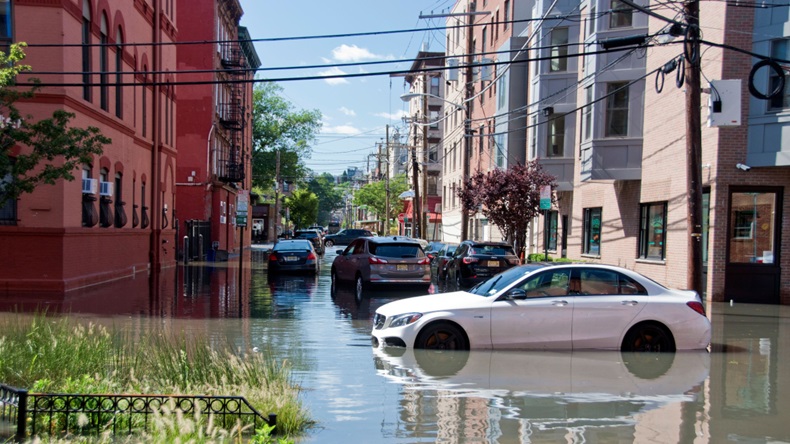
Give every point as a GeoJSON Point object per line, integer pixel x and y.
{"type": "Point", "coordinates": [559, 303]}
{"type": "Point", "coordinates": [630, 303]}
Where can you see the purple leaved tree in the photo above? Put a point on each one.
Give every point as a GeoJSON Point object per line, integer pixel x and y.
{"type": "Point", "coordinates": [510, 198]}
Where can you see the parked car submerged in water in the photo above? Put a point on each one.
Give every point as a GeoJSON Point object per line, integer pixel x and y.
{"type": "Point", "coordinates": [475, 261]}
{"type": "Point", "coordinates": [391, 260]}
{"type": "Point", "coordinates": [293, 255]}
{"type": "Point", "coordinates": [344, 237]}
{"type": "Point", "coordinates": [554, 307]}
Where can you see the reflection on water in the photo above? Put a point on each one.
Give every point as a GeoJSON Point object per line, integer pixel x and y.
{"type": "Point", "coordinates": [737, 393]}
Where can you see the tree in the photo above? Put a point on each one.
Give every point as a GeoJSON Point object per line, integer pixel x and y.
{"type": "Point", "coordinates": [277, 127]}
{"type": "Point", "coordinates": [374, 195]}
{"type": "Point", "coordinates": [329, 198]}
{"type": "Point", "coordinates": [303, 206]}
{"type": "Point", "coordinates": [41, 152]}
{"type": "Point", "coordinates": [510, 198]}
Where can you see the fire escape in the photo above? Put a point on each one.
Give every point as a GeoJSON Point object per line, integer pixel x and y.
{"type": "Point", "coordinates": [230, 160]}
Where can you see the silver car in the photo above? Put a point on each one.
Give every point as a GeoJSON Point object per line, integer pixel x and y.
{"type": "Point", "coordinates": [391, 260]}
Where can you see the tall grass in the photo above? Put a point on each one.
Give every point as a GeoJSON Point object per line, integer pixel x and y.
{"type": "Point", "coordinates": [67, 355]}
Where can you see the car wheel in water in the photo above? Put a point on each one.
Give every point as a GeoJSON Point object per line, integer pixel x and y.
{"type": "Point", "coordinates": [359, 289]}
{"type": "Point", "coordinates": [441, 336]}
{"type": "Point", "coordinates": [329, 244]}
{"type": "Point", "coordinates": [648, 338]}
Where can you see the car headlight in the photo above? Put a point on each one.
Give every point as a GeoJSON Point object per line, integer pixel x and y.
{"type": "Point", "coordinates": [404, 319]}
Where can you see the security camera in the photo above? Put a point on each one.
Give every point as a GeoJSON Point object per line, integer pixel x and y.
{"type": "Point", "coordinates": [742, 167]}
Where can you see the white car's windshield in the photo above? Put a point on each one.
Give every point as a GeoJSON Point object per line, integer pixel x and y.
{"type": "Point", "coordinates": [495, 284]}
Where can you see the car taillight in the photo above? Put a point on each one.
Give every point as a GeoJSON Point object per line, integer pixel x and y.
{"type": "Point", "coordinates": [373, 260]}
{"type": "Point", "coordinates": [424, 261]}
{"type": "Point", "coordinates": [311, 256]}
{"type": "Point", "coordinates": [430, 256]}
{"type": "Point", "coordinates": [272, 257]}
{"type": "Point", "coordinates": [696, 306]}
{"type": "Point", "coordinates": [514, 261]}
{"type": "Point", "coordinates": [470, 260]}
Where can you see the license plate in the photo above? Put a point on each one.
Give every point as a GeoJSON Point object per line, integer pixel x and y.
{"type": "Point", "coordinates": [493, 263]}
{"type": "Point", "coordinates": [403, 267]}
{"type": "Point", "coordinates": [291, 258]}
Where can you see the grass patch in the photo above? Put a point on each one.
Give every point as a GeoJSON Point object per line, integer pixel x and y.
{"type": "Point", "coordinates": [68, 355]}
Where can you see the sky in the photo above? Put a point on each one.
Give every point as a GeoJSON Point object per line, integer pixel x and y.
{"type": "Point", "coordinates": [355, 110]}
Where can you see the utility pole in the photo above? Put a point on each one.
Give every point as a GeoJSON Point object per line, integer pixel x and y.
{"type": "Point", "coordinates": [387, 184]}
{"type": "Point", "coordinates": [467, 116]}
{"type": "Point", "coordinates": [415, 179]}
{"type": "Point", "coordinates": [693, 146]}
{"type": "Point", "coordinates": [426, 124]}
{"type": "Point", "coordinates": [277, 195]}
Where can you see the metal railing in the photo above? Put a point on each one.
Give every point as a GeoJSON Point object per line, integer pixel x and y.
{"type": "Point", "coordinates": [87, 414]}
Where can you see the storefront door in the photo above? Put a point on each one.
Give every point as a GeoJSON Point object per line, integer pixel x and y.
{"type": "Point", "coordinates": [753, 245]}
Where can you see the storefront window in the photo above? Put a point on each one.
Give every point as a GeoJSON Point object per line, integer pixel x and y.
{"type": "Point", "coordinates": [752, 227]}
{"type": "Point", "coordinates": [592, 232]}
{"type": "Point", "coordinates": [652, 231]}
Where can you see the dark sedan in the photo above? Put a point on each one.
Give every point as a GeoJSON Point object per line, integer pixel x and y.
{"type": "Point", "coordinates": [345, 237]}
{"type": "Point", "coordinates": [296, 255]}
{"type": "Point", "coordinates": [476, 261]}
{"type": "Point", "coordinates": [314, 237]}
{"type": "Point", "coordinates": [440, 259]}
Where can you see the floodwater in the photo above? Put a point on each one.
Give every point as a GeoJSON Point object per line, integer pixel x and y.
{"type": "Point", "coordinates": [357, 394]}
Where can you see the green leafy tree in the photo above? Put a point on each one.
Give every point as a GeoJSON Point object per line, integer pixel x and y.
{"type": "Point", "coordinates": [510, 198]}
{"type": "Point", "coordinates": [303, 206]}
{"type": "Point", "coordinates": [329, 196]}
{"type": "Point", "coordinates": [51, 149]}
{"type": "Point", "coordinates": [278, 127]}
{"type": "Point", "coordinates": [374, 195]}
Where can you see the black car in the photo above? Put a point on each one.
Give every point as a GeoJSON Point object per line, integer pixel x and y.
{"type": "Point", "coordinates": [440, 259]}
{"type": "Point", "coordinates": [295, 255]}
{"type": "Point", "coordinates": [344, 237]}
{"type": "Point", "coordinates": [476, 261]}
{"type": "Point", "coordinates": [314, 237]}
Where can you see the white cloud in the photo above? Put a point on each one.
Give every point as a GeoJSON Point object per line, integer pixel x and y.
{"type": "Point", "coordinates": [340, 129]}
{"type": "Point", "coordinates": [352, 53]}
{"type": "Point", "coordinates": [397, 116]}
{"type": "Point", "coordinates": [333, 71]}
{"type": "Point", "coordinates": [346, 111]}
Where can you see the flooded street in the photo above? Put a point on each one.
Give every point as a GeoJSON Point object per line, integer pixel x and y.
{"type": "Point", "coordinates": [736, 393]}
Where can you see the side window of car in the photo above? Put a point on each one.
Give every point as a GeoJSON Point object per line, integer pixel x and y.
{"type": "Point", "coordinates": [630, 286]}
{"type": "Point", "coordinates": [357, 247]}
{"type": "Point", "coordinates": [598, 282]}
{"type": "Point", "coordinates": [547, 284]}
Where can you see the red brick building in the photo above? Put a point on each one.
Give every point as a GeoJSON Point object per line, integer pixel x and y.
{"type": "Point", "coordinates": [214, 137]}
{"type": "Point", "coordinates": [113, 60]}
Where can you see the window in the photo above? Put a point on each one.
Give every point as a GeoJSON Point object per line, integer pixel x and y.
{"type": "Point", "coordinates": [435, 86]}
{"type": "Point", "coordinates": [605, 282]}
{"type": "Point", "coordinates": [533, 141]}
{"type": "Point", "coordinates": [652, 231]}
{"type": "Point", "coordinates": [780, 49]}
{"type": "Point", "coordinates": [591, 237]}
{"type": "Point", "coordinates": [556, 135]}
{"type": "Point", "coordinates": [551, 223]}
{"type": "Point", "coordinates": [617, 109]}
{"type": "Point", "coordinates": [86, 50]}
{"type": "Point", "coordinates": [547, 284]}
{"type": "Point", "coordinates": [118, 74]}
{"type": "Point", "coordinates": [587, 114]}
{"type": "Point", "coordinates": [507, 13]}
{"type": "Point", "coordinates": [753, 227]}
{"type": "Point", "coordinates": [6, 22]}
{"type": "Point", "coordinates": [7, 204]}
{"type": "Point", "coordinates": [621, 15]}
{"type": "Point", "coordinates": [120, 212]}
{"type": "Point", "coordinates": [559, 50]}
{"type": "Point", "coordinates": [433, 154]}
{"type": "Point", "coordinates": [589, 23]}
{"type": "Point", "coordinates": [485, 40]}
{"type": "Point", "coordinates": [499, 142]}
{"type": "Point", "coordinates": [145, 101]}
{"type": "Point", "coordinates": [104, 66]}
{"type": "Point", "coordinates": [433, 119]}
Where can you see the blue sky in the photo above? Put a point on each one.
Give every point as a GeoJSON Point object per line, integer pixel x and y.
{"type": "Point", "coordinates": [355, 110]}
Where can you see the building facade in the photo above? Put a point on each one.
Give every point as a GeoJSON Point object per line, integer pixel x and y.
{"type": "Point", "coordinates": [108, 63]}
{"type": "Point", "coordinates": [215, 171]}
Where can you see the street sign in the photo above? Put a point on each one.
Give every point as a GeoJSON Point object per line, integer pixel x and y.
{"type": "Point", "coordinates": [545, 197]}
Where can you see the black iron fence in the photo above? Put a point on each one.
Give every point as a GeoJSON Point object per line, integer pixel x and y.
{"type": "Point", "coordinates": [32, 414]}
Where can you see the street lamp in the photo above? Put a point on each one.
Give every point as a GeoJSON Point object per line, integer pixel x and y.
{"type": "Point", "coordinates": [408, 96]}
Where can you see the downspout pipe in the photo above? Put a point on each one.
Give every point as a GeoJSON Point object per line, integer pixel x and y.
{"type": "Point", "coordinates": [156, 181]}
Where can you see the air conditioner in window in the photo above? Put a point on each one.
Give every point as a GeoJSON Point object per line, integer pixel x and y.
{"type": "Point", "coordinates": [106, 189]}
{"type": "Point", "coordinates": [88, 186]}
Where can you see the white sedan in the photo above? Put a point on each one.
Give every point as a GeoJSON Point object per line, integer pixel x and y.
{"type": "Point", "coordinates": [557, 307]}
